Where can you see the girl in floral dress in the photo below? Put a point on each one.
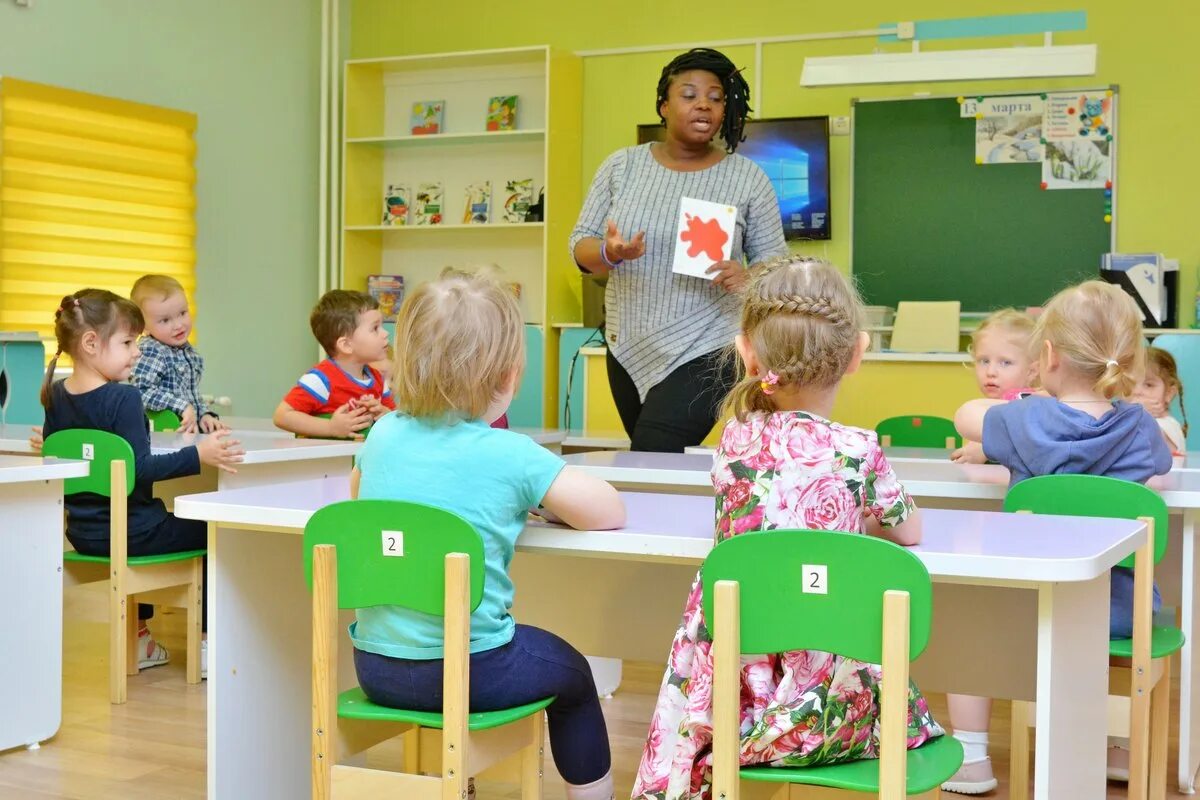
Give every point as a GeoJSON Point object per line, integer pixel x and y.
{"type": "Point", "coordinates": [783, 464]}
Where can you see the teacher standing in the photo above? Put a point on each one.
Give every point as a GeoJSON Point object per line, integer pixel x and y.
{"type": "Point", "coordinates": [666, 332]}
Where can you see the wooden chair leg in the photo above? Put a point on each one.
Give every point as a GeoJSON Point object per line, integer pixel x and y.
{"type": "Point", "coordinates": [119, 612]}
{"type": "Point", "coordinates": [412, 751]}
{"type": "Point", "coordinates": [132, 626]}
{"type": "Point", "coordinates": [1140, 686]}
{"type": "Point", "coordinates": [118, 652]}
{"type": "Point", "coordinates": [195, 620]}
{"type": "Point", "coordinates": [531, 760]}
{"type": "Point", "coordinates": [1160, 722]}
{"type": "Point", "coordinates": [1018, 767]}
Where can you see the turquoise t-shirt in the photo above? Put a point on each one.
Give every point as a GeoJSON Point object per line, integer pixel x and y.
{"type": "Point", "coordinates": [489, 477]}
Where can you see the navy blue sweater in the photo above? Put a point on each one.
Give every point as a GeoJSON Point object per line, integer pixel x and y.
{"type": "Point", "coordinates": [116, 408]}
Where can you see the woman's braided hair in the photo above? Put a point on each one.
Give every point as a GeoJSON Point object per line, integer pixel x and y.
{"type": "Point", "coordinates": [801, 318]}
{"type": "Point", "coordinates": [737, 91]}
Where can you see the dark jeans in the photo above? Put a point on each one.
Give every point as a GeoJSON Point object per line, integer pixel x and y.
{"type": "Point", "coordinates": [678, 412]}
{"type": "Point", "coordinates": [534, 665]}
{"type": "Point", "coordinates": [172, 535]}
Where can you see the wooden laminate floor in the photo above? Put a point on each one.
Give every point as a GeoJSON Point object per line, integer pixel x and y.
{"type": "Point", "coordinates": [152, 748]}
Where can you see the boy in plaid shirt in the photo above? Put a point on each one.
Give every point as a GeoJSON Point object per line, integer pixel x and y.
{"type": "Point", "coordinates": [168, 372]}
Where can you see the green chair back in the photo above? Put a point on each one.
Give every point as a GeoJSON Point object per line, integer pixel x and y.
{"type": "Point", "coordinates": [918, 431]}
{"type": "Point", "coordinates": [1092, 496]}
{"type": "Point", "coordinates": [100, 448]}
{"type": "Point", "coordinates": [391, 552]}
{"type": "Point", "coordinates": [778, 614]}
{"type": "Point", "coordinates": [165, 420]}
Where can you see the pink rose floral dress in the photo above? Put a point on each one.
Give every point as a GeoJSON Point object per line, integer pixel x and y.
{"type": "Point", "coordinates": [804, 708]}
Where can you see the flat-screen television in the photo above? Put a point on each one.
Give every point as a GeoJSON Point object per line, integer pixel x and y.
{"type": "Point", "coordinates": [794, 153]}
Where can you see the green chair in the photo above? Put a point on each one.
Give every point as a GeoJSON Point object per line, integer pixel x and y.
{"type": "Point", "coordinates": [1147, 683]}
{"type": "Point", "coordinates": [173, 579]}
{"type": "Point", "coordinates": [163, 421]}
{"type": "Point", "coordinates": [870, 600]}
{"type": "Point", "coordinates": [363, 553]}
{"type": "Point", "coordinates": [916, 430]}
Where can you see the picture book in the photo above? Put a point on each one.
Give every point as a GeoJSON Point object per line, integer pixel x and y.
{"type": "Point", "coordinates": [428, 209]}
{"type": "Point", "coordinates": [396, 202]}
{"type": "Point", "coordinates": [502, 113]}
{"type": "Point", "coordinates": [705, 236]}
{"type": "Point", "coordinates": [477, 209]}
{"type": "Point", "coordinates": [518, 196]}
{"type": "Point", "coordinates": [427, 117]}
{"type": "Point", "coordinates": [388, 291]}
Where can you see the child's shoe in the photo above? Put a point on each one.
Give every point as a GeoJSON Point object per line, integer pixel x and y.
{"type": "Point", "coordinates": [973, 778]}
{"type": "Point", "coordinates": [150, 652]}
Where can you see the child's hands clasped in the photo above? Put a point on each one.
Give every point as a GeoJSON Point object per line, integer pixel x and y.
{"type": "Point", "coordinates": [374, 405]}
{"type": "Point", "coordinates": [212, 424]}
{"type": "Point", "coordinates": [218, 451]}
{"type": "Point", "coordinates": [349, 419]}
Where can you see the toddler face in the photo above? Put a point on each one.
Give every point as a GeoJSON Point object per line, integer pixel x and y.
{"type": "Point", "coordinates": [1153, 394]}
{"type": "Point", "coordinates": [370, 339]}
{"type": "Point", "coordinates": [1002, 363]}
{"type": "Point", "coordinates": [168, 319]}
{"type": "Point", "coordinates": [116, 356]}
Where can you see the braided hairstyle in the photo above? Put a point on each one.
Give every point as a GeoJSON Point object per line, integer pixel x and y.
{"type": "Point", "coordinates": [802, 319]}
{"type": "Point", "coordinates": [96, 310]}
{"type": "Point", "coordinates": [737, 91]}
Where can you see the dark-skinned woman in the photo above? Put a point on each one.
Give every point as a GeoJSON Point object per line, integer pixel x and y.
{"type": "Point", "coordinates": [666, 332]}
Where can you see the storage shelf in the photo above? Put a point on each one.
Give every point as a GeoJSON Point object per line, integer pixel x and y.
{"type": "Point", "coordinates": [491, 226]}
{"type": "Point", "coordinates": [434, 139]}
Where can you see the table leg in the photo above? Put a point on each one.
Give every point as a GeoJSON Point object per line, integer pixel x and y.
{"type": "Point", "coordinates": [260, 666]}
{"type": "Point", "coordinates": [1071, 689]}
{"type": "Point", "coordinates": [31, 637]}
{"type": "Point", "coordinates": [1189, 679]}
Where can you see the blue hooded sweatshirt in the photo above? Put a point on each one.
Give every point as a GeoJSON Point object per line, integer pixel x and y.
{"type": "Point", "coordinates": [1041, 436]}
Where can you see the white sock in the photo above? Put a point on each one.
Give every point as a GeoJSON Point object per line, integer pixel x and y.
{"type": "Point", "coordinates": [596, 790]}
{"type": "Point", "coordinates": [975, 745]}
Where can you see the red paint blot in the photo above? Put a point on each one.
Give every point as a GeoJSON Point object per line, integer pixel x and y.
{"type": "Point", "coordinates": [705, 236]}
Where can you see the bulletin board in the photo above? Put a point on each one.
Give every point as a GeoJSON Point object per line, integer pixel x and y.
{"type": "Point", "coordinates": [948, 205]}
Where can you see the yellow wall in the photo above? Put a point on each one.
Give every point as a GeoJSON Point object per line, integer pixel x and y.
{"type": "Point", "coordinates": [1145, 48]}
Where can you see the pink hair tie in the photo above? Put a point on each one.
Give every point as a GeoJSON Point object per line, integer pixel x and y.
{"type": "Point", "coordinates": [769, 383]}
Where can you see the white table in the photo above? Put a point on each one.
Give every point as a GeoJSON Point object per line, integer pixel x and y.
{"type": "Point", "coordinates": [623, 591]}
{"type": "Point", "coordinates": [31, 523]}
{"type": "Point", "coordinates": [979, 486]}
{"type": "Point", "coordinates": [549, 438]}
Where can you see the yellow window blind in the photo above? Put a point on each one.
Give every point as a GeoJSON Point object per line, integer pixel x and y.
{"type": "Point", "coordinates": [94, 191]}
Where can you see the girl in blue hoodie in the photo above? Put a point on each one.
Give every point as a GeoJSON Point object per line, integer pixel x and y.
{"type": "Point", "coordinates": [1089, 346]}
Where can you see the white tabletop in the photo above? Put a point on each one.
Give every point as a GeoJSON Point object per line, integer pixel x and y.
{"type": "Point", "coordinates": [23, 469]}
{"type": "Point", "coordinates": [922, 477]}
{"type": "Point", "coordinates": [975, 544]}
{"type": "Point", "coordinates": [543, 436]}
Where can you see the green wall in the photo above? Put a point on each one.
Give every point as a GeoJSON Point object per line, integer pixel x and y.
{"type": "Point", "coordinates": [250, 71]}
{"type": "Point", "coordinates": [1142, 48]}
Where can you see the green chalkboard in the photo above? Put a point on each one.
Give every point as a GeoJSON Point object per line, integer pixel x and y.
{"type": "Point", "coordinates": [930, 224]}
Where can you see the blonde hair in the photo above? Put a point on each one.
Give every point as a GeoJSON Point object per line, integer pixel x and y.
{"type": "Point", "coordinates": [1097, 330]}
{"type": "Point", "coordinates": [159, 286]}
{"type": "Point", "coordinates": [801, 317]}
{"type": "Point", "coordinates": [1008, 320]}
{"type": "Point", "coordinates": [458, 339]}
{"type": "Point", "coordinates": [1163, 363]}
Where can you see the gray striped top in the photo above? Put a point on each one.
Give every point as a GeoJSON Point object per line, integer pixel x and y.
{"type": "Point", "coordinates": [656, 319]}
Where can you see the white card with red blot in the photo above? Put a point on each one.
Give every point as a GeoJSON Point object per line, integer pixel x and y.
{"type": "Point", "coordinates": [704, 237]}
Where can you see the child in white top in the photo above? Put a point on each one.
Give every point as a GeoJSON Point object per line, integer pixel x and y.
{"type": "Point", "coordinates": [1157, 390]}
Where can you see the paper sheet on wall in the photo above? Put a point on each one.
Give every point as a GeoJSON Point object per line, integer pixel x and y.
{"type": "Point", "coordinates": [704, 236]}
{"type": "Point", "coordinates": [1008, 129]}
{"type": "Point", "coordinates": [1077, 164]}
{"type": "Point", "coordinates": [1079, 115]}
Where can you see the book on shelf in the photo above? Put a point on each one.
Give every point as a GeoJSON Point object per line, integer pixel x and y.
{"type": "Point", "coordinates": [477, 209]}
{"type": "Point", "coordinates": [427, 117]}
{"type": "Point", "coordinates": [388, 291]}
{"type": "Point", "coordinates": [518, 196]}
{"type": "Point", "coordinates": [428, 209]}
{"type": "Point", "coordinates": [396, 202]}
{"type": "Point", "coordinates": [502, 113]}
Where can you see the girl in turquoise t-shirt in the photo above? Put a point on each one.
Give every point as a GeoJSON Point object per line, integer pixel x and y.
{"type": "Point", "coordinates": [459, 359]}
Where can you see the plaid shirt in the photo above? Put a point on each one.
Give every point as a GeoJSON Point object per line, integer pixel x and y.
{"type": "Point", "coordinates": [169, 377]}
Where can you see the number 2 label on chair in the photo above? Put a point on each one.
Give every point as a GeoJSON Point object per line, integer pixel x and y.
{"type": "Point", "coordinates": [89, 452]}
{"type": "Point", "coordinates": [816, 579]}
{"type": "Point", "coordinates": [393, 543]}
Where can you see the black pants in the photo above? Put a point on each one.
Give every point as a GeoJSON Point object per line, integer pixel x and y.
{"type": "Point", "coordinates": [172, 535]}
{"type": "Point", "coordinates": [678, 412]}
{"type": "Point", "coordinates": [535, 664]}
